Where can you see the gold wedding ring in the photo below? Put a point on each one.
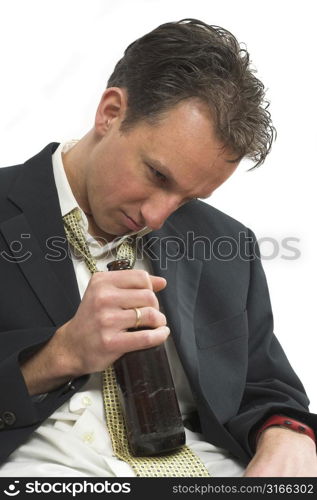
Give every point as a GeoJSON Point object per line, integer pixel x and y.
{"type": "Point", "coordinates": [138, 317]}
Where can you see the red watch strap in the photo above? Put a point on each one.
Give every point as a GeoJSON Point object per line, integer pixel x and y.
{"type": "Point", "coordinates": [289, 423]}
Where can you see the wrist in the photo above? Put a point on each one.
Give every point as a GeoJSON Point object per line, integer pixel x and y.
{"type": "Point", "coordinates": [48, 368]}
{"type": "Point", "coordinates": [62, 355]}
{"type": "Point", "coordinates": [282, 443]}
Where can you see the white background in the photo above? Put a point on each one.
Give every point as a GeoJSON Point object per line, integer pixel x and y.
{"type": "Point", "coordinates": [57, 55]}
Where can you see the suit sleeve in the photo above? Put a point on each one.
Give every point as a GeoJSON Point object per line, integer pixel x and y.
{"type": "Point", "coordinates": [15, 346]}
{"type": "Point", "coordinates": [272, 386]}
{"type": "Point", "coordinates": [14, 396]}
{"type": "Point", "coordinates": [20, 414]}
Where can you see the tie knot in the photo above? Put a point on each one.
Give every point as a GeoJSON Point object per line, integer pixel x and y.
{"type": "Point", "coordinates": [127, 250]}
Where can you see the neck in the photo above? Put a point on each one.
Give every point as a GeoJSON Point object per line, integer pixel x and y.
{"type": "Point", "coordinates": [75, 163]}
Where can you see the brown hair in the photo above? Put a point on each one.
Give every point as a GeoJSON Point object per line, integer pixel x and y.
{"type": "Point", "coordinates": [190, 59]}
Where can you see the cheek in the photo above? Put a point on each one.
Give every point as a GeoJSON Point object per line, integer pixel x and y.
{"type": "Point", "coordinates": [113, 193]}
{"type": "Point", "coordinates": [112, 183]}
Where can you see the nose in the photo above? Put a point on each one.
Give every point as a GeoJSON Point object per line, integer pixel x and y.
{"type": "Point", "coordinates": [156, 210]}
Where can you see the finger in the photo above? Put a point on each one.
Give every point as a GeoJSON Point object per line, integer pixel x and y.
{"type": "Point", "coordinates": [129, 278]}
{"type": "Point", "coordinates": [149, 318]}
{"type": "Point", "coordinates": [129, 299]}
{"type": "Point", "coordinates": [118, 298]}
{"type": "Point", "coordinates": [139, 339]}
{"type": "Point", "coordinates": [158, 283]}
{"type": "Point", "coordinates": [121, 320]}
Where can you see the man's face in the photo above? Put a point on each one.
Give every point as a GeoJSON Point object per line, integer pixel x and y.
{"type": "Point", "coordinates": [139, 178]}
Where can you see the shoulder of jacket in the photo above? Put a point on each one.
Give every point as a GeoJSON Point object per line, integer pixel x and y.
{"type": "Point", "coordinates": [8, 176]}
{"type": "Point", "coordinates": [200, 216]}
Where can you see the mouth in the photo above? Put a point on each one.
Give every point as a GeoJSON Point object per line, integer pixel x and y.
{"type": "Point", "coordinates": [131, 224]}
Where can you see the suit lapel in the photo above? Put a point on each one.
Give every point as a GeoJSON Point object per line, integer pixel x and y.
{"type": "Point", "coordinates": [39, 230]}
{"type": "Point", "coordinates": [179, 297]}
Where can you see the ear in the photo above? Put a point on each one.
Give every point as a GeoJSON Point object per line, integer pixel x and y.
{"type": "Point", "coordinates": [112, 107]}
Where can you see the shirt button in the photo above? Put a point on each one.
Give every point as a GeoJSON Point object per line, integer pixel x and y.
{"type": "Point", "coordinates": [88, 437]}
{"type": "Point", "coordinates": [86, 401]}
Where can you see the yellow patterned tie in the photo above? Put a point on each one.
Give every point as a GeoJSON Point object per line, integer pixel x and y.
{"type": "Point", "coordinates": [76, 238]}
{"type": "Point", "coordinates": [180, 463]}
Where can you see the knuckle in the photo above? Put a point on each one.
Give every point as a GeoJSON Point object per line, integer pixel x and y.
{"type": "Point", "coordinates": [106, 296]}
{"type": "Point", "coordinates": [155, 318]}
{"type": "Point", "coordinates": [100, 295]}
{"type": "Point", "coordinates": [147, 339]}
{"type": "Point", "coordinates": [143, 276]}
{"type": "Point", "coordinates": [106, 342]}
{"type": "Point", "coordinates": [108, 320]}
{"type": "Point", "coordinates": [151, 316]}
{"type": "Point", "coordinates": [163, 321]}
{"type": "Point", "coordinates": [149, 297]}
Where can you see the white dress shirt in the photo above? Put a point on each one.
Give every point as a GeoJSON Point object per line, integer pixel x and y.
{"type": "Point", "coordinates": [74, 440]}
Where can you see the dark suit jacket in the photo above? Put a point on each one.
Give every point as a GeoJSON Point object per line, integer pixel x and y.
{"type": "Point", "coordinates": [216, 302]}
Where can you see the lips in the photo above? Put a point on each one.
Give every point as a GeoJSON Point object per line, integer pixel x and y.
{"type": "Point", "coordinates": [131, 224]}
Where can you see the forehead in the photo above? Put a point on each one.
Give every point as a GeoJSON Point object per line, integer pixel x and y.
{"type": "Point", "coordinates": [184, 145]}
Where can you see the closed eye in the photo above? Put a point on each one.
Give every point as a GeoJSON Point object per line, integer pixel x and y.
{"type": "Point", "coordinates": [157, 174]}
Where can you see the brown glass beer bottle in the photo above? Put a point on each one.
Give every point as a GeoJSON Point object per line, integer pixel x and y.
{"type": "Point", "coordinates": [147, 396]}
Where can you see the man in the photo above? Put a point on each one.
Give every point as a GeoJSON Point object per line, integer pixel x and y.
{"type": "Point", "coordinates": [181, 109]}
